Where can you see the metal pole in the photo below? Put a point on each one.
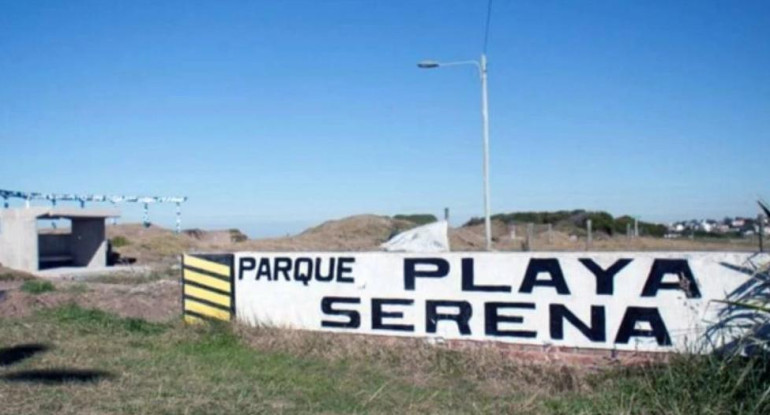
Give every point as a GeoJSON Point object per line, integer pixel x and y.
{"type": "Point", "coordinates": [178, 218]}
{"type": "Point", "coordinates": [446, 214]}
{"type": "Point", "coordinates": [636, 227]}
{"type": "Point", "coordinates": [761, 232]}
{"type": "Point", "coordinates": [485, 118]}
{"type": "Point", "coordinates": [146, 216]}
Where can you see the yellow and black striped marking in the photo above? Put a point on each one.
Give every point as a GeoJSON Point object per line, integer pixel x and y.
{"type": "Point", "coordinates": [207, 287]}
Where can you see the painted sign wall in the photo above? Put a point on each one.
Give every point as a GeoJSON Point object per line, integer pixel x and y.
{"type": "Point", "coordinates": [624, 301]}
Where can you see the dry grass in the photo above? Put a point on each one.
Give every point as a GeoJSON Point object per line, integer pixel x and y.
{"type": "Point", "coordinates": [489, 368]}
{"type": "Point", "coordinates": [168, 368]}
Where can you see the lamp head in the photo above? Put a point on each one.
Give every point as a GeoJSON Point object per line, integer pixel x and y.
{"type": "Point", "coordinates": [427, 64]}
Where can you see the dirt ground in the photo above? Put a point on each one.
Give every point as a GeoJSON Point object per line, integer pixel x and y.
{"type": "Point", "coordinates": [155, 301]}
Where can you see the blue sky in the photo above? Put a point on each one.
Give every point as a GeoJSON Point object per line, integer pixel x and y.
{"type": "Point", "coordinates": [275, 115]}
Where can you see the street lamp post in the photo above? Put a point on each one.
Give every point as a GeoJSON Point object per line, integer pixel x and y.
{"type": "Point", "coordinates": [482, 68]}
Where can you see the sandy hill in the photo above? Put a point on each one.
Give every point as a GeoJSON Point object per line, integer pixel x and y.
{"type": "Point", "coordinates": [354, 233]}
{"type": "Point", "coordinates": [367, 232]}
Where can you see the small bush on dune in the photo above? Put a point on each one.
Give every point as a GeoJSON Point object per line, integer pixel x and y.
{"type": "Point", "coordinates": [119, 241]}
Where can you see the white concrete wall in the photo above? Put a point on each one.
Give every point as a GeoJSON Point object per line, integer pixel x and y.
{"type": "Point", "coordinates": [371, 293]}
{"type": "Point", "coordinates": [18, 241]}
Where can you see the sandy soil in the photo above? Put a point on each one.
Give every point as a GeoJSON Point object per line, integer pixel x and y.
{"type": "Point", "coordinates": [153, 301]}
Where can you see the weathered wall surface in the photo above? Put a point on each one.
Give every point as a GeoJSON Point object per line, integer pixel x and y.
{"type": "Point", "coordinates": [621, 301]}
{"type": "Point", "coordinates": [18, 241]}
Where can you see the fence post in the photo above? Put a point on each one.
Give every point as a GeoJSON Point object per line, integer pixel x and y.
{"type": "Point", "coordinates": [550, 233]}
{"type": "Point", "coordinates": [761, 232]}
{"type": "Point", "coordinates": [628, 230]}
{"type": "Point", "coordinates": [589, 239]}
{"type": "Point", "coordinates": [636, 227]}
{"type": "Point", "coordinates": [529, 236]}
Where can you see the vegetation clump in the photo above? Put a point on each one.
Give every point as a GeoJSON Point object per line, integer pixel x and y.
{"type": "Point", "coordinates": [37, 286]}
{"type": "Point", "coordinates": [577, 219]}
{"type": "Point", "coordinates": [119, 241]}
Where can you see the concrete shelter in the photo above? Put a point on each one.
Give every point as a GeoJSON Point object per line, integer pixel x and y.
{"type": "Point", "coordinates": [24, 248]}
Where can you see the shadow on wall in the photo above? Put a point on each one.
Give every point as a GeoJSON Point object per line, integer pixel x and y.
{"type": "Point", "coordinates": [743, 325]}
{"type": "Point", "coordinates": [16, 354]}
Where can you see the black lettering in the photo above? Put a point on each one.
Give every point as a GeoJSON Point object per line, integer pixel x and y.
{"type": "Point", "coordinates": [678, 267]}
{"type": "Point", "coordinates": [462, 317]}
{"type": "Point", "coordinates": [246, 264]}
{"type": "Point", "coordinates": [410, 270]}
{"type": "Point", "coordinates": [492, 320]}
{"type": "Point", "coordinates": [282, 265]}
{"type": "Point", "coordinates": [604, 277]}
{"type": "Point", "coordinates": [635, 315]}
{"type": "Point", "coordinates": [354, 318]}
{"type": "Point", "coordinates": [344, 267]}
{"type": "Point", "coordinates": [303, 275]}
{"type": "Point", "coordinates": [549, 266]}
{"type": "Point", "coordinates": [596, 332]}
{"type": "Point", "coordinates": [319, 275]}
{"type": "Point", "coordinates": [308, 265]}
{"type": "Point", "coordinates": [378, 315]}
{"type": "Point", "coordinates": [469, 283]}
{"type": "Point", "coordinates": [264, 269]}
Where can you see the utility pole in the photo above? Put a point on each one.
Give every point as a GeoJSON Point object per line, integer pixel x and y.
{"type": "Point", "coordinates": [485, 118]}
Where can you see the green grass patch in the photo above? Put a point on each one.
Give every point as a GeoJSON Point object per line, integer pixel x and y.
{"type": "Point", "coordinates": [119, 241]}
{"type": "Point", "coordinates": [37, 286]}
{"type": "Point", "coordinates": [88, 319]}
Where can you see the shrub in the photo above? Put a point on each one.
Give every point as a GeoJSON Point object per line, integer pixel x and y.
{"type": "Point", "coordinates": [119, 241]}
